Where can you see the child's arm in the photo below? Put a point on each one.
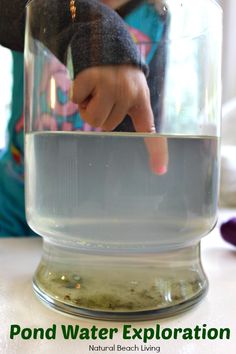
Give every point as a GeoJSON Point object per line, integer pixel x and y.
{"type": "Point", "coordinates": [12, 24]}
{"type": "Point", "coordinates": [97, 36]}
{"type": "Point", "coordinates": [98, 42]}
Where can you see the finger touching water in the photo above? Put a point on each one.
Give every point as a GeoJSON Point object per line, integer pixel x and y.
{"type": "Point", "coordinates": [157, 146]}
{"type": "Point", "coordinates": [105, 95]}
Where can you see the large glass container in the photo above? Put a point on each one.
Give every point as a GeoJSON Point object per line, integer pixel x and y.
{"type": "Point", "coordinates": [121, 206]}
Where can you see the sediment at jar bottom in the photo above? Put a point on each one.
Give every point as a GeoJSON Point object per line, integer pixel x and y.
{"type": "Point", "coordinates": [126, 284]}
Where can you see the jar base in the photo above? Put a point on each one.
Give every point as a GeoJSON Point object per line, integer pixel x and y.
{"type": "Point", "coordinates": [118, 316]}
{"type": "Point", "coordinates": [120, 287]}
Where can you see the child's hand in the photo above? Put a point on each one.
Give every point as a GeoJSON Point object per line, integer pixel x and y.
{"type": "Point", "coordinates": [106, 94]}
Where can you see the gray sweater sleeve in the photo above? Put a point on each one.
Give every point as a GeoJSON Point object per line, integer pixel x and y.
{"type": "Point", "coordinates": [12, 24]}
{"type": "Point", "coordinates": [97, 36]}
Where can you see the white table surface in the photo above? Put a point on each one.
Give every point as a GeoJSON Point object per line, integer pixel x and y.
{"type": "Point", "coordinates": [18, 305]}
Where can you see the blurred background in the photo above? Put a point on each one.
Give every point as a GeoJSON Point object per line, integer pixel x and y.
{"type": "Point", "coordinates": [228, 149]}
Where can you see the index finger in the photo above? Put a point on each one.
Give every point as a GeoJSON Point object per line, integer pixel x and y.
{"type": "Point", "coordinates": [157, 147]}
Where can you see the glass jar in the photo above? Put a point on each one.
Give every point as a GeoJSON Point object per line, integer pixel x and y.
{"type": "Point", "coordinates": [121, 238]}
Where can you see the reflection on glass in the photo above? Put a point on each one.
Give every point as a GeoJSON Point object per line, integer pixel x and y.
{"type": "Point", "coordinates": [122, 169]}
